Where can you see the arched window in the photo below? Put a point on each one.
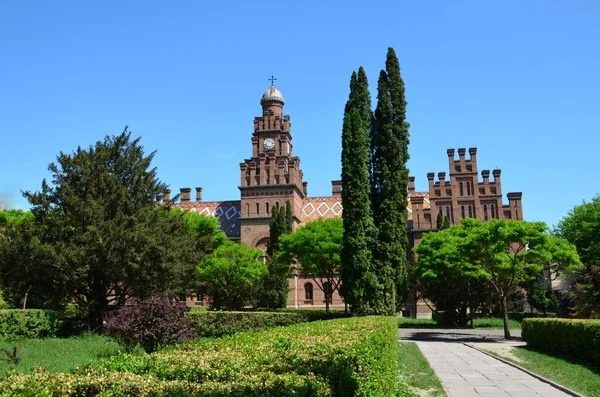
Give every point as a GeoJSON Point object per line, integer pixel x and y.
{"type": "Point", "coordinates": [460, 187]}
{"type": "Point", "coordinates": [277, 204]}
{"type": "Point", "coordinates": [462, 211]}
{"type": "Point", "coordinates": [308, 291]}
{"type": "Point", "coordinates": [257, 209]}
{"type": "Point", "coordinates": [448, 211]}
{"type": "Point", "coordinates": [485, 215]}
{"type": "Point", "coordinates": [267, 208]}
{"type": "Point", "coordinates": [470, 211]}
{"type": "Point", "coordinates": [441, 210]}
{"type": "Point", "coordinates": [468, 188]}
{"type": "Point", "coordinates": [493, 211]}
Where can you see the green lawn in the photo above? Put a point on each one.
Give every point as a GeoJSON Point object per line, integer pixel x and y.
{"type": "Point", "coordinates": [56, 354]}
{"type": "Point", "coordinates": [404, 322]}
{"type": "Point", "coordinates": [496, 323]}
{"type": "Point", "coordinates": [415, 371]}
{"type": "Point", "coordinates": [577, 375]}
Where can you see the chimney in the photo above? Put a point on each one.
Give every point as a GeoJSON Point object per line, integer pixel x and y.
{"type": "Point", "coordinates": [336, 188]}
{"type": "Point", "coordinates": [185, 194]}
{"type": "Point", "coordinates": [496, 174]}
{"type": "Point", "coordinates": [430, 178]}
{"type": "Point", "coordinates": [461, 154]}
{"type": "Point", "coordinates": [473, 154]}
{"type": "Point", "coordinates": [450, 159]}
{"type": "Point", "coordinates": [305, 188]}
{"type": "Point", "coordinates": [198, 194]}
{"type": "Point", "coordinates": [485, 174]}
{"type": "Point", "coordinates": [167, 196]}
{"type": "Point", "coordinates": [411, 184]}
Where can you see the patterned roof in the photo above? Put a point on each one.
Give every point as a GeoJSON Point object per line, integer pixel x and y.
{"type": "Point", "coordinates": [228, 212]}
{"type": "Point", "coordinates": [331, 206]}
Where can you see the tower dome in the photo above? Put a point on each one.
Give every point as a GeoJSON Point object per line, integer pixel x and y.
{"type": "Point", "coordinates": [272, 94]}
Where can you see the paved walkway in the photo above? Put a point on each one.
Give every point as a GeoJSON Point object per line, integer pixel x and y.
{"type": "Point", "coordinates": [466, 372]}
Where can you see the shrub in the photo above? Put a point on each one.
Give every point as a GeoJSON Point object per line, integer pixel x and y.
{"type": "Point", "coordinates": [217, 324]}
{"type": "Point", "coordinates": [345, 357]}
{"type": "Point", "coordinates": [29, 323]}
{"type": "Point", "coordinates": [576, 338]}
{"type": "Point", "coordinates": [151, 324]}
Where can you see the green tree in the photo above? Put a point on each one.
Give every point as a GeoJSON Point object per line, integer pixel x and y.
{"type": "Point", "coordinates": [389, 184]}
{"type": "Point", "coordinates": [543, 299]}
{"type": "Point", "coordinates": [581, 227]}
{"type": "Point", "coordinates": [315, 249]}
{"type": "Point", "coordinates": [445, 276]}
{"type": "Point", "coordinates": [229, 273]}
{"type": "Point", "coordinates": [359, 280]}
{"type": "Point", "coordinates": [446, 224]}
{"type": "Point", "coordinates": [96, 236]}
{"type": "Point", "coordinates": [439, 222]}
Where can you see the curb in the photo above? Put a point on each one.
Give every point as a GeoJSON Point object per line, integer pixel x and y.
{"type": "Point", "coordinates": [548, 381]}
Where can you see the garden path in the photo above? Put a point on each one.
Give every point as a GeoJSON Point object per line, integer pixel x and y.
{"type": "Point", "coordinates": [466, 372]}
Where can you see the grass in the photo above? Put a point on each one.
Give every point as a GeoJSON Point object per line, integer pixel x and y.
{"type": "Point", "coordinates": [415, 371]}
{"type": "Point", "coordinates": [576, 375]}
{"type": "Point", "coordinates": [56, 354]}
{"type": "Point", "coordinates": [479, 323]}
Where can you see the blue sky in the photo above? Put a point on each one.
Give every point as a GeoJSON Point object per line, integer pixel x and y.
{"type": "Point", "coordinates": [517, 79]}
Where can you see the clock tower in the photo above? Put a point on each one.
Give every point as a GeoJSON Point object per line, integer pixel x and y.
{"type": "Point", "coordinates": [272, 176]}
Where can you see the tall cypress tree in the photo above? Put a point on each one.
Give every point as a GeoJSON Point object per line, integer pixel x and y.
{"type": "Point", "coordinates": [439, 223]}
{"type": "Point", "coordinates": [359, 280]}
{"type": "Point", "coordinates": [389, 184]}
{"type": "Point", "coordinates": [287, 220]}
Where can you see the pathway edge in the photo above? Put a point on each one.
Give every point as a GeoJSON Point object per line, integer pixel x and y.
{"type": "Point", "coordinates": [545, 380]}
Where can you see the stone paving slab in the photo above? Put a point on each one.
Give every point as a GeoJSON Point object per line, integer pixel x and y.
{"type": "Point", "coordinates": [466, 372]}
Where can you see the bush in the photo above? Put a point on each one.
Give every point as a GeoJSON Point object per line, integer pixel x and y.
{"type": "Point", "coordinates": [151, 324]}
{"type": "Point", "coordinates": [345, 357]}
{"type": "Point", "coordinates": [576, 338]}
{"type": "Point", "coordinates": [217, 324]}
{"type": "Point", "coordinates": [29, 323]}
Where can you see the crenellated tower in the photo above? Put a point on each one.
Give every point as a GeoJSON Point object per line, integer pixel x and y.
{"type": "Point", "coordinates": [272, 176]}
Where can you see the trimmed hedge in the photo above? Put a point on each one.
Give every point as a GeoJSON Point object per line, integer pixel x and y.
{"type": "Point", "coordinates": [218, 324]}
{"type": "Point", "coordinates": [345, 357]}
{"type": "Point", "coordinates": [29, 323]}
{"type": "Point", "coordinates": [576, 338]}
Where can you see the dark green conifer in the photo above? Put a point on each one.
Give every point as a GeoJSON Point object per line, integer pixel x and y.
{"type": "Point", "coordinates": [389, 184]}
{"type": "Point", "coordinates": [446, 222]}
{"type": "Point", "coordinates": [439, 222]}
{"type": "Point", "coordinates": [288, 220]}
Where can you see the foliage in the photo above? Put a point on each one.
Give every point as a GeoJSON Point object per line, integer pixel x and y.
{"type": "Point", "coordinates": [150, 324]}
{"type": "Point", "coordinates": [96, 236]}
{"type": "Point", "coordinates": [542, 299]}
{"type": "Point", "coordinates": [57, 354]}
{"type": "Point", "coordinates": [229, 273]}
{"type": "Point", "coordinates": [315, 248]}
{"type": "Point", "coordinates": [575, 338]}
{"type": "Point", "coordinates": [360, 283]}
{"type": "Point", "coordinates": [581, 227]}
{"type": "Point", "coordinates": [29, 323]}
{"type": "Point", "coordinates": [347, 357]}
{"type": "Point", "coordinates": [506, 254]}
{"type": "Point", "coordinates": [13, 217]}
{"type": "Point", "coordinates": [389, 185]}
{"type": "Point", "coordinates": [217, 324]}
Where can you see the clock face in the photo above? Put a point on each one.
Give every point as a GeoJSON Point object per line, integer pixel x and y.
{"type": "Point", "coordinates": [269, 143]}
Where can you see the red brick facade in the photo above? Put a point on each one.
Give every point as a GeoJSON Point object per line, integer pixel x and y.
{"type": "Point", "coordinates": [272, 176]}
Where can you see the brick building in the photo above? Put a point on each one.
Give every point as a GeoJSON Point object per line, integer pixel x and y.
{"type": "Point", "coordinates": [272, 176]}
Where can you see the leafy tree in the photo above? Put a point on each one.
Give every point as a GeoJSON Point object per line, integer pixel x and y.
{"type": "Point", "coordinates": [439, 222]}
{"type": "Point", "coordinates": [389, 184]}
{"type": "Point", "coordinates": [315, 249]}
{"type": "Point", "coordinates": [359, 280]}
{"type": "Point", "coordinates": [150, 324]}
{"type": "Point", "coordinates": [446, 224]}
{"type": "Point", "coordinates": [229, 273]}
{"type": "Point", "coordinates": [581, 227]}
{"type": "Point", "coordinates": [543, 299]}
{"type": "Point", "coordinates": [96, 236]}
{"type": "Point", "coordinates": [445, 276]}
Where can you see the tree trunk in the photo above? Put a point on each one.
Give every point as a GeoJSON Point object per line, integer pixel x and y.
{"type": "Point", "coordinates": [25, 298]}
{"type": "Point", "coordinates": [505, 313]}
{"type": "Point", "coordinates": [326, 303]}
{"type": "Point", "coordinates": [472, 317]}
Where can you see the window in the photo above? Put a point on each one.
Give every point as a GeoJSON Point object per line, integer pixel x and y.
{"type": "Point", "coordinates": [460, 188]}
{"type": "Point", "coordinates": [493, 211]}
{"type": "Point", "coordinates": [462, 211]}
{"type": "Point", "coordinates": [440, 210]}
{"type": "Point", "coordinates": [257, 209]}
{"type": "Point", "coordinates": [485, 215]}
{"type": "Point", "coordinates": [470, 211]}
{"type": "Point", "coordinates": [448, 211]}
{"type": "Point", "coordinates": [199, 298]}
{"type": "Point", "coordinates": [308, 292]}
{"type": "Point", "coordinates": [267, 208]}
{"type": "Point", "coordinates": [277, 204]}
{"type": "Point", "coordinates": [468, 188]}
{"type": "Point", "coordinates": [248, 209]}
